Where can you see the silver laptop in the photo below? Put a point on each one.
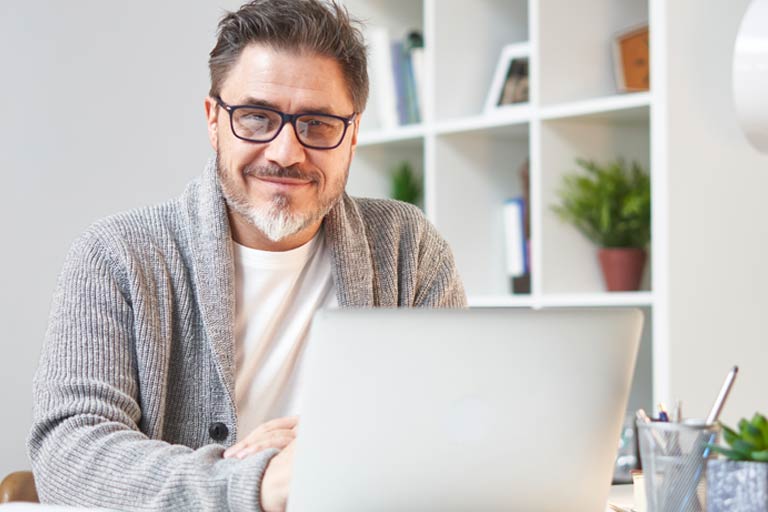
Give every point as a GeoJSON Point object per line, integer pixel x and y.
{"type": "Point", "coordinates": [471, 410]}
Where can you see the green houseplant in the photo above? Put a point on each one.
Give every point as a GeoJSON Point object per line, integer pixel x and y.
{"type": "Point", "coordinates": [405, 184]}
{"type": "Point", "coordinates": [611, 206]}
{"type": "Point", "coordinates": [740, 481]}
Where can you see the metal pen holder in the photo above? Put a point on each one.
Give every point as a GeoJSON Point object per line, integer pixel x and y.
{"type": "Point", "coordinates": [674, 458]}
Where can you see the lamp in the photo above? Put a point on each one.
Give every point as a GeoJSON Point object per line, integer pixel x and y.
{"type": "Point", "coordinates": [750, 74]}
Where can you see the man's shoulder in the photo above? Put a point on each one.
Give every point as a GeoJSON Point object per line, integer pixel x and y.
{"type": "Point", "coordinates": [155, 222]}
{"type": "Point", "coordinates": [397, 225]}
{"type": "Point", "coordinates": [131, 233]}
{"type": "Point", "coordinates": [390, 215]}
{"type": "Point", "coordinates": [138, 224]}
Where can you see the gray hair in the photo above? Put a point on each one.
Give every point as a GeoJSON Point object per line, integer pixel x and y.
{"type": "Point", "coordinates": [320, 26]}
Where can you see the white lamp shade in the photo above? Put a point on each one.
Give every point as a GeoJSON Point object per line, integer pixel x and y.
{"type": "Point", "coordinates": [750, 74]}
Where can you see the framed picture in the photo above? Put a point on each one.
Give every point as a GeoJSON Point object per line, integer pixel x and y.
{"type": "Point", "coordinates": [631, 57]}
{"type": "Point", "coordinates": [510, 80]}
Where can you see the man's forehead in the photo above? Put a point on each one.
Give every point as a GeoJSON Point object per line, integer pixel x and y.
{"type": "Point", "coordinates": [303, 79]}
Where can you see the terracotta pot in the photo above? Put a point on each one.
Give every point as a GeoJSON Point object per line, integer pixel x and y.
{"type": "Point", "coordinates": [622, 268]}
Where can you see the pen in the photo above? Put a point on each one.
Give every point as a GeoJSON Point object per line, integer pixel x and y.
{"type": "Point", "coordinates": [720, 401]}
{"type": "Point", "coordinates": [717, 407]}
{"type": "Point", "coordinates": [663, 416]}
{"type": "Point", "coordinates": [657, 437]}
{"type": "Point", "coordinates": [678, 412]}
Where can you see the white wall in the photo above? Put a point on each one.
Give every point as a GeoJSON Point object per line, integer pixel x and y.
{"type": "Point", "coordinates": [64, 164]}
{"type": "Point", "coordinates": [102, 110]}
{"type": "Point", "coordinates": [718, 222]}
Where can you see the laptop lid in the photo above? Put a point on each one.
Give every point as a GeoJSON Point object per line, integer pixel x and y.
{"type": "Point", "coordinates": [480, 409]}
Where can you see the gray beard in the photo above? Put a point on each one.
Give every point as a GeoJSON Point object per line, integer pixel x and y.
{"type": "Point", "coordinates": [274, 220]}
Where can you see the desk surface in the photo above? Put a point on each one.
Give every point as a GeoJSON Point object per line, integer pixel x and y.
{"type": "Point", "coordinates": [620, 495]}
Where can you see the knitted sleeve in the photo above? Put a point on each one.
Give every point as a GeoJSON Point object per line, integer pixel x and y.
{"type": "Point", "coordinates": [438, 283]}
{"type": "Point", "coordinates": [85, 445]}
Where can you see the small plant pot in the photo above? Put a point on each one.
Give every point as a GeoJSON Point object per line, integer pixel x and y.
{"type": "Point", "coordinates": [737, 485]}
{"type": "Point", "coordinates": [622, 268]}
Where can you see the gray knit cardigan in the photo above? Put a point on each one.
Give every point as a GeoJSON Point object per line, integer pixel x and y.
{"type": "Point", "coordinates": [138, 363]}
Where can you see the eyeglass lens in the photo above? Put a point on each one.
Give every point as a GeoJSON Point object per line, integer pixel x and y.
{"type": "Point", "coordinates": [312, 129]}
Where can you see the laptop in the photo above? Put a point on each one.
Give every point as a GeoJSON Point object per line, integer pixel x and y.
{"type": "Point", "coordinates": [463, 410]}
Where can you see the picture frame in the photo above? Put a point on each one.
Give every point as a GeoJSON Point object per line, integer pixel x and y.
{"type": "Point", "coordinates": [510, 79]}
{"type": "Point", "coordinates": [631, 59]}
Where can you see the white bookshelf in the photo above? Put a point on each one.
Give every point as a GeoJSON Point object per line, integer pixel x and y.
{"type": "Point", "coordinates": [470, 160]}
{"type": "Point", "coordinates": [595, 300]}
{"type": "Point", "coordinates": [617, 107]}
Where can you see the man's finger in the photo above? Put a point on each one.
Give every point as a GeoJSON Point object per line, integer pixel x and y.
{"type": "Point", "coordinates": [264, 440]}
{"type": "Point", "coordinates": [279, 443]}
{"type": "Point", "coordinates": [287, 422]}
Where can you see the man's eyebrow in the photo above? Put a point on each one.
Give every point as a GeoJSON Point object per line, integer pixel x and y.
{"type": "Point", "coordinates": [256, 102]}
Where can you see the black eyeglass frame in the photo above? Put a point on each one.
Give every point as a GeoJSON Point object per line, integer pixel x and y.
{"type": "Point", "coordinates": [284, 119]}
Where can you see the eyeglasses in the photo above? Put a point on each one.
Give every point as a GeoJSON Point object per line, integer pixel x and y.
{"type": "Point", "coordinates": [263, 124]}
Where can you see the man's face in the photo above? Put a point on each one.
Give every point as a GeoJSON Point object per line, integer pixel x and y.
{"type": "Point", "coordinates": [281, 190]}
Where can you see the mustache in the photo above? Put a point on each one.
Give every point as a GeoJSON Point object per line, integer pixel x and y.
{"type": "Point", "coordinates": [276, 171]}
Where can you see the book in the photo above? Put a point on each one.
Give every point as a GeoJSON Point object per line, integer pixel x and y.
{"type": "Point", "coordinates": [417, 61]}
{"type": "Point", "coordinates": [516, 252]}
{"type": "Point", "coordinates": [405, 84]}
{"type": "Point", "coordinates": [414, 75]}
{"type": "Point", "coordinates": [409, 82]}
{"type": "Point", "coordinates": [383, 92]}
{"type": "Point", "coordinates": [399, 57]}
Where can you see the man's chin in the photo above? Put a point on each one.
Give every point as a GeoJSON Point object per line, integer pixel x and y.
{"type": "Point", "coordinates": [277, 223]}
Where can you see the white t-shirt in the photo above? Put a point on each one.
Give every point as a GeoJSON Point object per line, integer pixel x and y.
{"type": "Point", "coordinates": [276, 296]}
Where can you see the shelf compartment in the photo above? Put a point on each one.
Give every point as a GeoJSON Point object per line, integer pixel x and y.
{"type": "Point", "coordinates": [397, 16]}
{"type": "Point", "coordinates": [569, 263]}
{"type": "Point", "coordinates": [577, 63]}
{"type": "Point", "coordinates": [476, 173]}
{"type": "Point", "coordinates": [469, 37]}
{"type": "Point", "coordinates": [387, 21]}
{"type": "Point", "coordinates": [372, 166]}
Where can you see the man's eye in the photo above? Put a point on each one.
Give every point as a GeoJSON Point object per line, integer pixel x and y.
{"type": "Point", "coordinates": [316, 123]}
{"type": "Point", "coordinates": [254, 117]}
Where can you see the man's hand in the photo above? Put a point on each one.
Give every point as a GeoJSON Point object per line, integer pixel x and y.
{"type": "Point", "coordinates": [276, 481]}
{"type": "Point", "coordinates": [277, 433]}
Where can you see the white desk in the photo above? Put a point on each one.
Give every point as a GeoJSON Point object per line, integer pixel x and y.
{"type": "Point", "coordinates": [620, 495]}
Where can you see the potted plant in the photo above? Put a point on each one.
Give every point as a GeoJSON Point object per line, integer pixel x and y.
{"type": "Point", "coordinates": [740, 481]}
{"type": "Point", "coordinates": [611, 206]}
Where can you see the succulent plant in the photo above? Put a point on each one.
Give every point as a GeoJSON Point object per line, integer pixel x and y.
{"type": "Point", "coordinates": [750, 443]}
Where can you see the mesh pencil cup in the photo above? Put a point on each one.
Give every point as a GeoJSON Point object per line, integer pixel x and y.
{"type": "Point", "coordinates": [674, 457]}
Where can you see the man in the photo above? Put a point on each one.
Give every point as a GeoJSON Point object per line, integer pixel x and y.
{"type": "Point", "coordinates": [171, 368]}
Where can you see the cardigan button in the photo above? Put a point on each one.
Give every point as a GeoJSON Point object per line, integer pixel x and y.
{"type": "Point", "coordinates": [218, 431]}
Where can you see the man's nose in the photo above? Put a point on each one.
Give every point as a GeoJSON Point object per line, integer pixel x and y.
{"type": "Point", "coordinates": [285, 150]}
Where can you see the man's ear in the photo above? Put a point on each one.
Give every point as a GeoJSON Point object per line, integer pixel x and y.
{"type": "Point", "coordinates": [355, 131]}
{"type": "Point", "coordinates": [212, 119]}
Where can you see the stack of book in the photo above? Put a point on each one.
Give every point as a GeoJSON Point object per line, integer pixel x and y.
{"type": "Point", "coordinates": [517, 230]}
{"type": "Point", "coordinates": [396, 69]}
